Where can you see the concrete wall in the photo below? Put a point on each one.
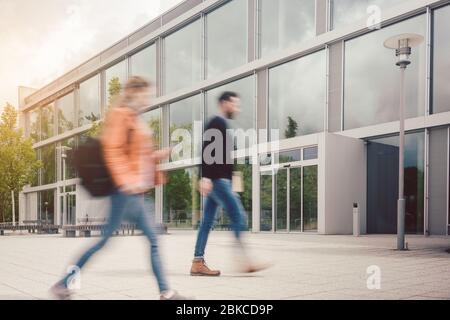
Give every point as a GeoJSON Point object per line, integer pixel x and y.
{"type": "Point", "coordinates": [344, 183]}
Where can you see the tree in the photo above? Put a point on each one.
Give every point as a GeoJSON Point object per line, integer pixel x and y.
{"type": "Point", "coordinates": [292, 128]}
{"type": "Point", "coordinates": [114, 87]}
{"type": "Point", "coordinates": [18, 162]}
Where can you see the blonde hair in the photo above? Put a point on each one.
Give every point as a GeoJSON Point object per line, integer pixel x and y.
{"type": "Point", "coordinates": [132, 86]}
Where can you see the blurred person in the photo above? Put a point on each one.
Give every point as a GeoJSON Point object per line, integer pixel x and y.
{"type": "Point", "coordinates": [216, 186]}
{"type": "Point", "coordinates": [129, 156]}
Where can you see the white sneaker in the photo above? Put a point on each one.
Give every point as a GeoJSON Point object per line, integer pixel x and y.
{"type": "Point", "coordinates": [172, 295]}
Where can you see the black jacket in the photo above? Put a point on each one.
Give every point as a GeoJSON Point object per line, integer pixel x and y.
{"type": "Point", "coordinates": [222, 167]}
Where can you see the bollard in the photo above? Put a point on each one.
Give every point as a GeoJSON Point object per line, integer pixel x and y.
{"type": "Point", "coordinates": [356, 221]}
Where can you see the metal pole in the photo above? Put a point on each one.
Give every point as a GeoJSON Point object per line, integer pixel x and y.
{"type": "Point", "coordinates": [13, 208]}
{"type": "Point", "coordinates": [401, 181]}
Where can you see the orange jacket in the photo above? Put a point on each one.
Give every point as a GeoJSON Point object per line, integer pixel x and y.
{"type": "Point", "coordinates": [125, 143]}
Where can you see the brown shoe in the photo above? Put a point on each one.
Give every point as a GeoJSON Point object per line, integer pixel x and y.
{"type": "Point", "coordinates": [199, 268]}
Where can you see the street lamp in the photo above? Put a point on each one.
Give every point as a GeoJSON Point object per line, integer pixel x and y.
{"type": "Point", "coordinates": [402, 44]}
{"type": "Point", "coordinates": [64, 149]}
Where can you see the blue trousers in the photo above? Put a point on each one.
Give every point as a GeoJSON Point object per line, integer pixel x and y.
{"type": "Point", "coordinates": [223, 196]}
{"type": "Point", "coordinates": [135, 209]}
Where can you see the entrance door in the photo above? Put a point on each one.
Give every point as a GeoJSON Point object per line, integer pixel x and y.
{"type": "Point", "coordinates": [289, 199]}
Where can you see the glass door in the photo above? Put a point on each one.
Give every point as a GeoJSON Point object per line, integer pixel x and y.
{"type": "Point", "coordinates": [289, 199]}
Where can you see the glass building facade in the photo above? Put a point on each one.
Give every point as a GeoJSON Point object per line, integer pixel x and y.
{"type": "Point", "coordinates": [303, 68]}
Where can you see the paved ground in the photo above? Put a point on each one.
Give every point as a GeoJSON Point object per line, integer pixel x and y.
{"type": "Point", "coordinates": [305, 267]}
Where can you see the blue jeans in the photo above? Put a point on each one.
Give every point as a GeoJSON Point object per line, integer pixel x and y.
{"type": "Point", "coordinates": [135, 209]}
{"type": "Point", "coordinates": [220, 196]}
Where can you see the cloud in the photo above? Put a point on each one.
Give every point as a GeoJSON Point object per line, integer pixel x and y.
{"type": "Point", "coordinates": [41, 40]}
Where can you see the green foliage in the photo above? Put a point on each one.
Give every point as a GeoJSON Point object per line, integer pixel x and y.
{"type": "Point", "coordinates": [292, 128]}
{"type": "Point", "coordinates": [114, 87]}
{"type": "Point", "coordinates": [18, 162]}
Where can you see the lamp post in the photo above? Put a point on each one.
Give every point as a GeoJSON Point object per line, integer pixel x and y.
{"type": "Point", "coordinates": [64, 149]}
{"type": "Point", "coordinates": [402, 44]}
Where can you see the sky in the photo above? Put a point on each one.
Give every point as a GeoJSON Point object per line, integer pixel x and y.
{"type": "Point", "coordinates": [41, 40]}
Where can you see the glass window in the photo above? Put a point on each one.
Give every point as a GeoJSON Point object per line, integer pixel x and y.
{"type": "Point", "coordinates": [183, 115]}
{"type": "Point", "coordinates": [89, 110]}
{"type": "Point", "coordinates": [182, 57]}
{"type": "Point", "coordinates": [310, 153]}
{"type": "Point", "coordinates": [153, 120]}
{"type": "Point", "coordinates": [245, 88]}
{"type": "Point", "coordinates": [47, 121]}
{"type": "Point", "coordinates": [47, 206]}
{"type": "Point", "coordinates": [348, 11]}
{"type": "Point", "coordinates": [372, 80]}
{"type": "Point", "coordinates": [48, 157]}
{"type": "Point", "coordinates": [297, 96]}
{"type": "Point", "coordinates": [266, 201]}
{"type": "Point", "coordinates": [143, 64]}
{"type": "Point", "coordinates": [288, 156]}
{"type": "Point", "coordinates": [115, 78]}
{"type": "Point", "coordinates": [36, 174]}
{"type": "Point", "coordinates": [247, 196]}
{"type": "Point", "coordinates": [227, 46]}
{"type": "Point", "coordinates": [310, 179]}
{"type": "Point", "coordinates": [441, 62]}
{"type": "Point", "coordinates": [286, 23]}
{"type": "Point", "coordinates": [67, 148]}
{"type": "Point", "coordinates": [182, 199]}
{"type": "Point", "coordinates": [382, 184]}
{"type": "Point", "coordinates": [65, 107]}
{"type": "Point", "coordinates": [223, 221]}
{"type": "Point", "coordinates": [34, 126]}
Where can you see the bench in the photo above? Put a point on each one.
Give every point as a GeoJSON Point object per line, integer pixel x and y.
{"type": "Point", "coordinates": [32, 226]}
{"type": "Point", "coordinates": [87, 229]}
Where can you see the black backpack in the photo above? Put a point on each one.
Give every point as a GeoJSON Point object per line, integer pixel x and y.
{"type": "Point", "coordinates": [90, 164]}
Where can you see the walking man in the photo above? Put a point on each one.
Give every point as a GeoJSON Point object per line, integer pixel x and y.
{"type": "Point", "coordinates": [216, 185]}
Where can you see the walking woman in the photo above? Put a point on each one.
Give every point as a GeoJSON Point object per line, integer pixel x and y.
{"type": "Point", "coordinates": [132, 162]}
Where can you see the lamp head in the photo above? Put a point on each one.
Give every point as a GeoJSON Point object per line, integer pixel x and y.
{"type": "Point", "coordinates": [402, 44]}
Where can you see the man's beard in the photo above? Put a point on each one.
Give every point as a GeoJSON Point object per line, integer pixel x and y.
{"type": "Point", "coordinates": [230, 115]}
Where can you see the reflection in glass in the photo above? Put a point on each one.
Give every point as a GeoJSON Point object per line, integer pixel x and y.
{"type": "Point", "coordinates": [227, 37]}
{"type": "Point", "coordinates": [182, 57]}
{"type": "Point", "coordinates": [153, 121]}
{"type": "Point", "coordinates": [115, 78]}
{"type": "Point", "coordinates": [48, 157]}
{"type": "Point", "coordinates": [287, 156]}
{"type": "Point", "coordinates": [182, 199]}
{"type": "Point", "coordinates": [246, 196]}
{"type": "Point", "coordinates": [143, 64]}
{"type": "Point", "coordinates": [89, 110]}
{"type": "Point", "coordinates": [35, 181]}
{"type": "Point", "coordinates": [310, 198]}
{"type": "Point", "coordinates": [70, 171]}
{"type": "Point", "coordinates": [286, 23]}
{"type": "Point", "coordinates": [182, 115]}
{"type": "Point", "coordinates": [34, 126]}
{"type": "Point", "coordinates": [297, 96]}
{"type": "Point", "coordinates": [245, 88]}
{"type": "Point", "coordinates": [382, 186]}
{"type": "Point", "coordinates": [266, 201]}
{"type": "Point", "coordinates": [347, 11]}
{"type": "Point", "coordinates": [295, 199]}
{"type": "Point", "coordinates": [310, 153]}
{"type": "Point", "coordinates": [281, 199]}
{"type": "Point", "coordinates": [47, 121]}
{"type": "Point", "coordinates": [65, 107]}
{"type": "Point", "coordinates": [372, 81]}
{"type": "Point", "coordinates": [441, 62]}
{"type": "Point", "coordinates": [46, 206]}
